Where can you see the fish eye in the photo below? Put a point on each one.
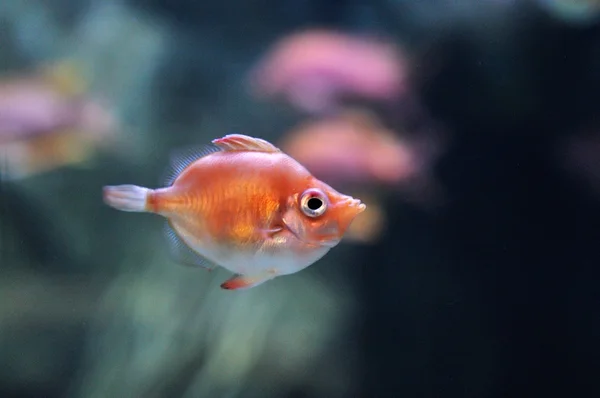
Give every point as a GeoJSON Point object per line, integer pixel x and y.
{"type": "Point", "coordinates": [313, 203]}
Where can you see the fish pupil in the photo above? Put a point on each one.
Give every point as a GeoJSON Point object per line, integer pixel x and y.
{"type": "Point", "coordinates": [314, 203]}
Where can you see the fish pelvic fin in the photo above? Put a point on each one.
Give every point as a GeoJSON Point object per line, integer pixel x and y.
{"type": "Point", "coordinates": [242, 282]}
{"type": "Point", "coordinates": [240, 142]}
{"type": "Point", "coordinates": [127, 197]}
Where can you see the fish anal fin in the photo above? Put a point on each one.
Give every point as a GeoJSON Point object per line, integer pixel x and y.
{"type": "Point", "coordinates": [182, 253]}
{"type": "Point", "coordinates": [181, 159]}
{"type": "Point", "coordinates": [241, 282]}
{"type": "Point", "coordinates": [241, 142]}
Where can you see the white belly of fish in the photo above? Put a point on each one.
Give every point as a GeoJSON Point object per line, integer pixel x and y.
{"type": "Point", "coordinates": [281, 262]}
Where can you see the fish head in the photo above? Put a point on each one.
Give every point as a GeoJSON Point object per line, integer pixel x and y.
{"type": "Point", "coordinates": [320, 215]}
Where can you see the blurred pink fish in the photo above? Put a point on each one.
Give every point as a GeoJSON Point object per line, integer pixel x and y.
{"type": "Point", "coordinates": [313, 70]}
{"type": "Point", "coordinates": [353, 147]}
{"type": "Point", "coordinates": [46, 121]}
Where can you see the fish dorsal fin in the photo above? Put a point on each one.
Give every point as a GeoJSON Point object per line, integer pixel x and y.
{"type": "Point", "coordinates": [240, 142]}
{"type": "Point", "coordinates": [182, 158]}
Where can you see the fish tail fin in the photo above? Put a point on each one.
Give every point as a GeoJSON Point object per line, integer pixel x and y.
{"type": "Point", "coordinates": [127, 197]}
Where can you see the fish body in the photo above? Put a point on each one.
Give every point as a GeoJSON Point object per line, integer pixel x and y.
{"type": "Point", "coordinates": [244, 205]}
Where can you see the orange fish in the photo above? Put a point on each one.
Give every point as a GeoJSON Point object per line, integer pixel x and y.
{"type": "Point", "coordinates": [246, 206]}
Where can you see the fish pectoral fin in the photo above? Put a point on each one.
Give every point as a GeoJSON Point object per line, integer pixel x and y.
{"type": "Point", "coordinates": [182, 253]}
{"type": "Point", "coordinates": [241, 142]}
{"type": "Point", "coordinates": [240, 282]}
{"type": "Point", "coordinates": [268, 233]}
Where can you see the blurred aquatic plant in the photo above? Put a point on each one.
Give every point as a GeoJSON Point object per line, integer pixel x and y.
{"type": "Point", "coordinates": [48, 120]}
{"type": "Point", "coordinates": [122, 51]}
{"type": "Point", "coordinates": [118, 51]}
{"type": "Point", "coordinates": [170, 330]}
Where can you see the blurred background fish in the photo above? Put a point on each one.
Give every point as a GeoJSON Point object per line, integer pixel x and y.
{"type": "Point", "coordinates": [316, 70]}
{"type": "Point", "coordinates": [355, 147]}
{"type": "Point", "coordinates": [47, 121]}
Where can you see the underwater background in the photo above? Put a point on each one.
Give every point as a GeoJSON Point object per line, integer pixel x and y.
{"type": "Point", "coordinates": [470, 128]}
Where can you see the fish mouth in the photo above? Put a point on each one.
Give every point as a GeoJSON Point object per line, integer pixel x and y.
{"type": "Point", "coordinates": [354, 204]}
